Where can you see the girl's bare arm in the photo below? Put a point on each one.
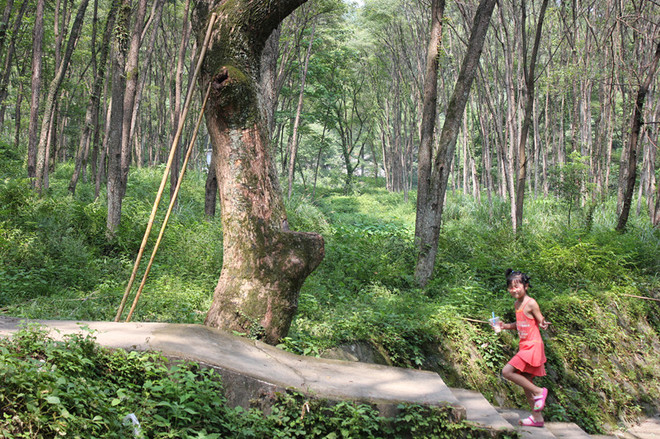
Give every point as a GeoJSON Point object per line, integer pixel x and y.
{"type": "Point", "coordinates": [535, 310]}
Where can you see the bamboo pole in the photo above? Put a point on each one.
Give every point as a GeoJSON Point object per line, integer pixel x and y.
{"type": "Point", "coordinates": [474, 320]}
{"type": "Point", "coordinates": [171, 205]}
{"type": "Point", "coordinates": [641, 297]}
{"type": "Point", "coordinates": [168, 166]}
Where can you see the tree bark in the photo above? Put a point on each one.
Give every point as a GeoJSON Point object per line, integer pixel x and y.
{"type": "Point", "coordinates": [264, 263]}
{"type": "Point", "coordinates": [53, 91]}
{"type": "Point", "coordinates": [530, 81]}
{"type": "Point", "coordinates": [430, 200]}
{"type": "Point", "coordinates": [630, 161]}
{"type": "Point", "coordinates": [92, 112]}
{"type": "Point", "coordinates": [114, 184]}
{"type": "Point", "coordinates": [37, 49]}
{"type": "Point", "coordinates": [293, 144]}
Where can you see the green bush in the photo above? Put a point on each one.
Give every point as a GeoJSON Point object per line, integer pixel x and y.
{"type": "Point", "coordinates": [75, 388]}
{"type": "Point", "coordinates": [55, 262]}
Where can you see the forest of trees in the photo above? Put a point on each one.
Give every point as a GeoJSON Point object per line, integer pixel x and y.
{"type": "Point", "coordinates": [349, 91]}
{"type": "Point", "coordinates": [325, 138]}
{"type": "Point", "coordinates": [503, 99]}
{"type": "Point", "coordinates": [104, 83]}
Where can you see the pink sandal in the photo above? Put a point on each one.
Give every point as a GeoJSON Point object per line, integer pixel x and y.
{"type": "Point", "coordinates": [530, 422]}
{"type": "Point", "coordinates": [539, 401]}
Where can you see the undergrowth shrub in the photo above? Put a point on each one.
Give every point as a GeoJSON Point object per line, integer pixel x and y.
{"type": "Point", "coordinates": [55, 262]}
{"type": "Point", "coordinates": [75, 388]}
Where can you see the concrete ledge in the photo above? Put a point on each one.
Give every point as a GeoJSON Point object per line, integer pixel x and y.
{"type": "Point", "coordinates": [252, 369]}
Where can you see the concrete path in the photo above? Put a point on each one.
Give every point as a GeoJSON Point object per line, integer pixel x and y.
{"type": "Point", "coordinates": [252, 370]}
{"type": "Point", "coordinates": [263, 368]}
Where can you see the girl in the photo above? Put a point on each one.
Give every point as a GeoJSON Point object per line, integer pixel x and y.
{"type": "Point", "coordinates": [528, 363]}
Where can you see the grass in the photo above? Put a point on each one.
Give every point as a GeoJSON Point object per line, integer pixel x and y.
{"type": "Point", "coordinates": [56, 263]}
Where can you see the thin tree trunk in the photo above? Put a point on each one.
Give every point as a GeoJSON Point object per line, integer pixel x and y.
{"type": "Point", "coordinates": [178, 84]}
{"type": "Point", "coordinates": [52, 95]}
{"type": "Point", "coordinates": [4, 22]}
{"type": "Point", "coordinates": [630, 162]}
{"type": "Point", "coordinates": [17, 114]}
{"type": "Point", "coordinates": [293, 144]}
{"type": "Point", "coordinates": [269, 79]}
{"type": "Point", "coordinates": [92, 112]}
{"type": "Point", "coordinates": [530, 80]}
{"type": "Point", "coordinates": [131, 73]}
{"type": "Point", "coordinates": [37, 49]}
{"type": "Point", "coordinates": [427, 228]}
{"type": "Point", "coordinates": [426, 201]}
{"type": "Point", "coordinates": [154, 23]}
{"type": "Point", "coordinates": [114, 184]}
{"type": "Point", "coordinates": [9, 57]}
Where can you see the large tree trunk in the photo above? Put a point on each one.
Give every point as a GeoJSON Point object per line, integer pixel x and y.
{"type": "Point", "coordinates": [430, 200]}
{"type": "Point", "coordinates": [264, 263]}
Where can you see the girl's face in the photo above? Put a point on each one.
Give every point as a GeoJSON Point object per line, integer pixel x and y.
{"type": "Point", "coordinates": [517, 289]}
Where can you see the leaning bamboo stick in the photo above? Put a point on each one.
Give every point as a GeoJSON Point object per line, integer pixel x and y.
{"type": "Point", "coordinates": [168, 166]}
{"type": "Point", "coordinates": [641, 297]}
{"type": "Point", "coordinates": [474, 320]}
{"type": "Point", "coordinates": [171, 205]}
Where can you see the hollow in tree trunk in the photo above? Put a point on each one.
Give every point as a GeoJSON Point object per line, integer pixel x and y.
{"type": "Point", "coordinates": [264, 263]}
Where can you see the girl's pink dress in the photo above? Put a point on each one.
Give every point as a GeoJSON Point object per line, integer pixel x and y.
{"type": "Point", "coordinates": [531, 352]}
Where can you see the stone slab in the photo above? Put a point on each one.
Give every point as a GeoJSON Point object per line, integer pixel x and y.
{"type": "Point", "coordinates": [324, 378]}
{"type": "Point", "coordinates": [649, 429]}
{"type": "Point", "coordinates": [480, 411]}
{"type": "Point", "coordinates": [566, 430]}
{"type": "Point", "coordinates": [513, 416]}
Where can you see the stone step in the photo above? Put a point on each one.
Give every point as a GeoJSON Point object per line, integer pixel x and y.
{"type": "Point", "coordinates": [479, 411]}
{"type": "Point", "coordinates": [514, 415]}
{"type": "Point", "coordinates": [566, 430]}
{"type": "Point", "coordinates": [649, 429]}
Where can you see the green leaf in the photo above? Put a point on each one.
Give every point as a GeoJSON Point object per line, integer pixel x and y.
{"type": "Point", "coordinates": [52, 400]}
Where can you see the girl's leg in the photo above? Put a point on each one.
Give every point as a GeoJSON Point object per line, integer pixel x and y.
{"type": "Point", "coordinates": [512, 374]}
{"type": "Point", "coordinates": [538, 417]}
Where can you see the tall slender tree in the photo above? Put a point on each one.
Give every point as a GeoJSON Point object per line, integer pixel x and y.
{"type": "Point", "coordinates": [51, 99]}
{"type": "Point", "coordinates": [94, 99]}
{"type": "Point", "coordinates": [132, 74]}
{"type": "Point", "coordinates": [529, 69]}
{"type": "Point", "coordinates": [37, 70]}
{"type": "Point", "coordinates": [116, 113]}
{"type": "Point", "coordinates": [431, 193]}
{"type": "Point", "coordinates": [630, 161]}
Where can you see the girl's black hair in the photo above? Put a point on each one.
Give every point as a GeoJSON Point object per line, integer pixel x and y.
{"type": "Point", "coordinates": [515, 275]}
